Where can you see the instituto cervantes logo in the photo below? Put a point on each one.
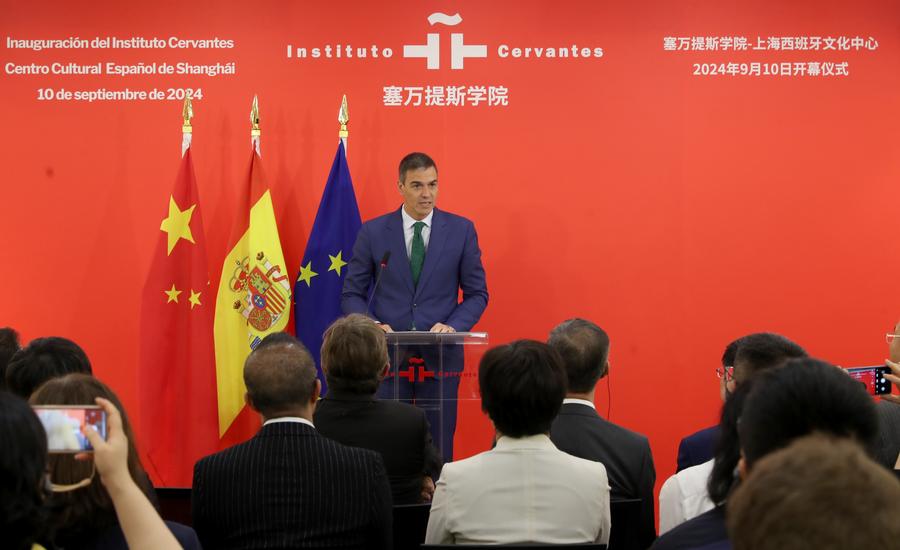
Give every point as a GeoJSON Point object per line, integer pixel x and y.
{"type": "Point", "coordinates": [445, 94]}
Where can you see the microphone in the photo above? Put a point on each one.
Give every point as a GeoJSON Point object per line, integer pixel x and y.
{"type": "Point", "coordinates": [381, 268]}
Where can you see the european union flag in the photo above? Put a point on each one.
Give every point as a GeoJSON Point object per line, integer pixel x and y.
{"type": "Point", "coordinates": [318, 288]}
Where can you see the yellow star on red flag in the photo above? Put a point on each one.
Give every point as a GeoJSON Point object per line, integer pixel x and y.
{"type": "Point", "coordinates": [177, 225]}
{"type": "Point", "coordinates": [172, 293]}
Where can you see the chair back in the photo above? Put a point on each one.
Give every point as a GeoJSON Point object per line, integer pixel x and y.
{"type": "Point", "coordinates": [625, 518]}
{"type": "Point", "coordinates": [410, 523]}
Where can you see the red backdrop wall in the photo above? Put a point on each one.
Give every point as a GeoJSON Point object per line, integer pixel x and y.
{"type": "Point", "coordinates": [678, 211]}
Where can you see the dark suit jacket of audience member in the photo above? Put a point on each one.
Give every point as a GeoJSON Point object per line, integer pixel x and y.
{"type": "Point", "coordinates": [398, 431]}
{"type": "Point", "coordinates": [889, 436]}
{"type": "Point", "coordinates": [581, 432]}
{"type": "Point", "coordinates": [707, 529]}
{"type": "Point", "coordinates": [697, 448]}
{"type": "Point", "coordinates": [289, 487]}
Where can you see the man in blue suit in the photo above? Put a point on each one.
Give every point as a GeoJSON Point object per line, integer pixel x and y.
{"type": "Point", "coordinates": [424, 256]}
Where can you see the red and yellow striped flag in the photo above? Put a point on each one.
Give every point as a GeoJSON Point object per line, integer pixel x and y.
{"type": "Point", "coordinates": [254, 292]}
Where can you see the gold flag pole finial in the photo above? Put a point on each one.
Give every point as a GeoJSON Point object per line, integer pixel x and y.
{"type": "Point", "coordinates": [343, 118]}
{"type": "Point", "coordinates": [254, 118]}
{"type": "Point", "coordinates": [187, 113]}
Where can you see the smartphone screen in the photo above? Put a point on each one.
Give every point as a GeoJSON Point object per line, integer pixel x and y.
{"type": "Point", "coordinates": [873, 378]}
{"type": "Point", "coordinates": [64, 423]}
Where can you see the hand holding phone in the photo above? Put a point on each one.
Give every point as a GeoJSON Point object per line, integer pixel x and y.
{"type": "Point", "coordinates": [65, 426]}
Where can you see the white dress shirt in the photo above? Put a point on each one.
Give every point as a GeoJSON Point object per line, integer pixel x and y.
{"type": "Point", "coordinates": [295, 419]}
{"type": "Point", "coordinates": [573, 401]}
{"type": "Point", "coordinates": [409, 231]}
{"type": "Point", "coordinates": [684, 496]}
{"type": "Point", "coordinates": [523, 490]}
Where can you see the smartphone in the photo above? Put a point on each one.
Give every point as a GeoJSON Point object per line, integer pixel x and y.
{"type": "Point", "coordinates": [873, 378]}
{"type": "Point", "coordinates": [64, 423]}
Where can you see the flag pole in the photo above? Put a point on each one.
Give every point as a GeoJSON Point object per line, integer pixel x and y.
{"type": "Point", "coordinates": [254, 124]}
{"type": "Point", "coordinates": [187, 113]}
{"type": "Point", "coordinates": [343, 119]}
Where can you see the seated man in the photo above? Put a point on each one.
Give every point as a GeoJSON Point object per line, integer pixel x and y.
{"type": "Point", "coordinates": [819, 492]}
{"type": "Point", "coordinates": [355, 360]}
{"type": "Point", "coordinates": [525, 489]}
{"type": "Point", "coordinates": [289, 487]}
{"type": "Point", "coordinates": [581, 432]}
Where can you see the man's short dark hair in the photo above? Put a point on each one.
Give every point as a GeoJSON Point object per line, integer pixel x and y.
{"type": "Point", "coordinates": [354, 353]}
{"type": "Point", "coordinates": [802, 397]}
{"type": "Point", "coordinates": [584, 349]}
{"type": "Point", "coordinates": [9, 345]}
{"type": "Point", "coordinates": [762, 351]}
{"type": "Point", "coordinates": [415, 161]}
{"type": "Point", "coordinates": [819, 492]}
{"type": "Point", "coordinates": [43, 359]}
{"type": "Point", "coordinates": [280, 378]}
{"type": "Point", "coordinates": [522, 386]}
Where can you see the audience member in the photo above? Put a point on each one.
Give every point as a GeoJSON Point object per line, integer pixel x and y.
{"type": "Point", "coordinates": [819, 492]}
{"type": "Point", "coordinates": [888, 411]}
{"type": "Point", "coordinates": [705, 498]}
{"type": "Point", "coordinates": [762, 351]}
{"type": "Point", "coordinates": [9, 345]}
{"type": "Point", "coordinates": [355, 360]}
{"type": "Point", "coordinates": [525, 489]}
{"type": "Point", "coordinates": [41, 360]}
{"type": "Point", "coordinates": [580, 431]}
{"type": "Point", "coordinates": [698, 448]}
{"type": "Point", "coordinates": [141, 526]}
{"type": "Point", "coordinates": [288, 486]}
{"type": "Point", "coordinates": [83, 514]}
{"type": "Point", "coordinates": [23, 471]}
{"type": "Point", "coordinates": [803, 396]}
{"type": "Point", "coordinates": [698, 489]}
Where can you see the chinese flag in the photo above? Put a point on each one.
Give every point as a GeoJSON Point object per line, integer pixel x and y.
{"type": "Point", "coordinates": [177, 368]}
{"type": "Point", "coordinates": [254, 299]}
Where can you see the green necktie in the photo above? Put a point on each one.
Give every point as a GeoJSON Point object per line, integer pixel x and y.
{"type": "Point", "coordinates": [417, 254]}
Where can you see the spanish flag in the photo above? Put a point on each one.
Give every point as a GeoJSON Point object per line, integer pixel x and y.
{"type": "Point", "coordinates": [254, 291]}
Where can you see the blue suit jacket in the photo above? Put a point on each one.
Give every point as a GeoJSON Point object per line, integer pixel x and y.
{"type": "Point", "coordinates": [697, 448]}
{"type": "Point", "coordinates": [452, 262]}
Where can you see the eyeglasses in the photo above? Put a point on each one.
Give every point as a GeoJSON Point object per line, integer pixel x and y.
{"type": "Point", "coordinates": [726, 372]}
{"type": "Point", "coordinates": [889, 337]}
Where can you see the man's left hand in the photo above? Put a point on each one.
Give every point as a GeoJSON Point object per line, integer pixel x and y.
{"type": "Point", "coordinates": [441, 327]}
{"type": "Point", "coordinates": [895, 378]}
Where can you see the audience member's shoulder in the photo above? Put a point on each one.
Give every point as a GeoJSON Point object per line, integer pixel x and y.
{"type": "Point", "coordinates": [630, 437]}
{"type": "Point", "coordinates": [583, 466]}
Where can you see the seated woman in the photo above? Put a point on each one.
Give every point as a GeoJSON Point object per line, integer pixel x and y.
{"type": "Point", "coordinates": [524, 489]}
{"type": "Point", "coordinates": [23, 466]}
{"type": "Point", "coordinates": [83, 515]}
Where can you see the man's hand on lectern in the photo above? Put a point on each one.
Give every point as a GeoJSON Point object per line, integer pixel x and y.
{"type": "Point", "coordinates": [441, 327]}
{"type": "Point", "coordinates": [385, 327]}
